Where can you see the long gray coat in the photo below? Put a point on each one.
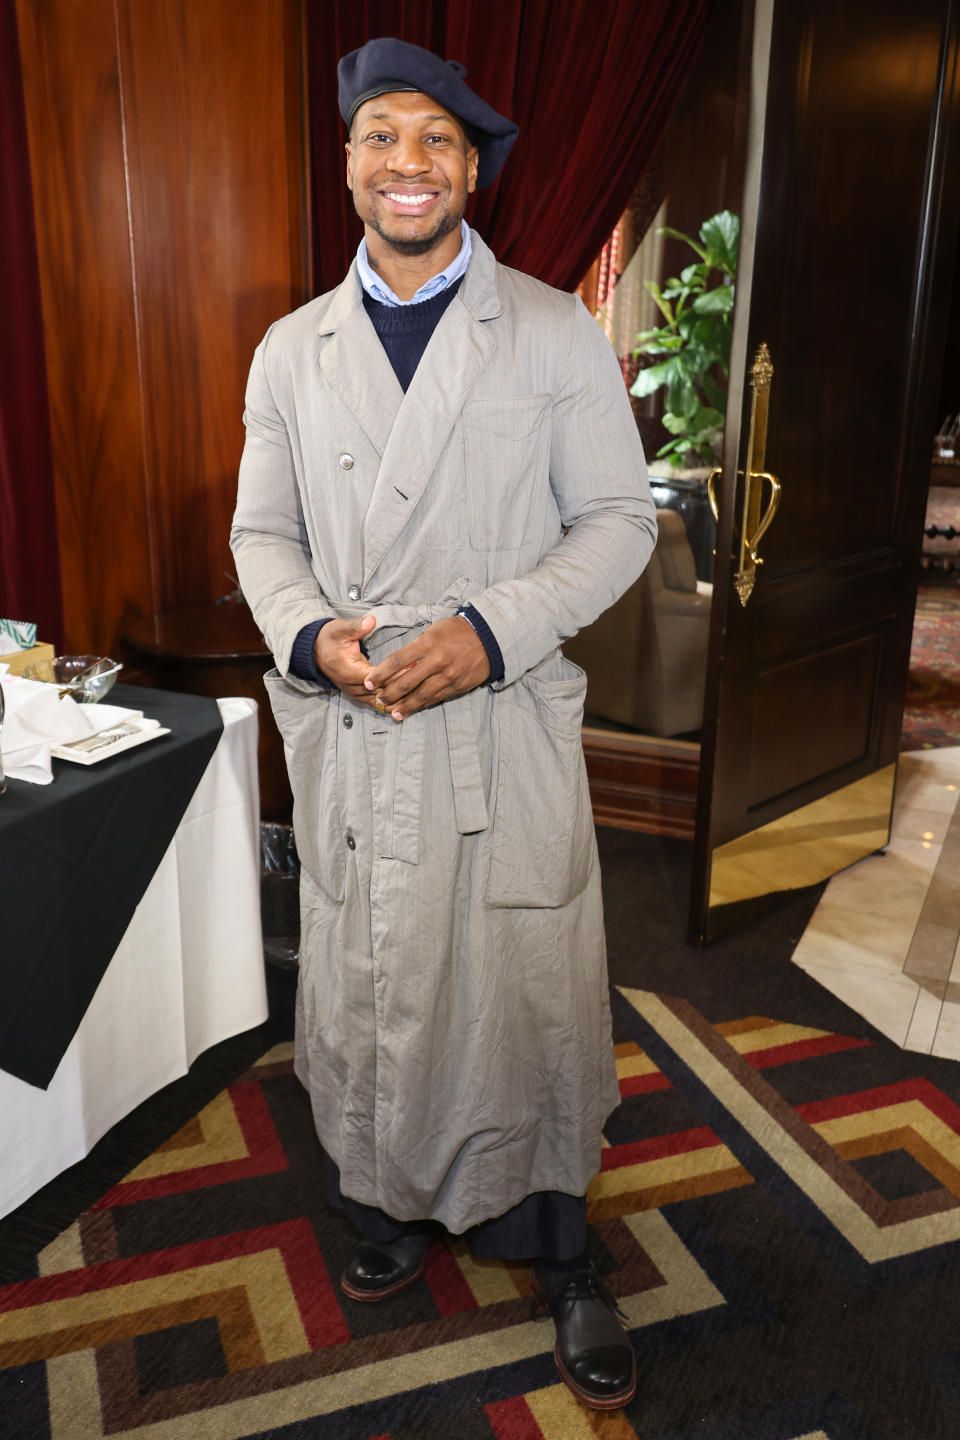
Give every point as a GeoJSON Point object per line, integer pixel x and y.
{"type": "Point", "coordinates": [453, 1024]}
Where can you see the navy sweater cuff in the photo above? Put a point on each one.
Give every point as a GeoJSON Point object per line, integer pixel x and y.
{"type": "Point", "coordinates": [303, 661]}
{"type": "Point", "coordinates": [487, 639]}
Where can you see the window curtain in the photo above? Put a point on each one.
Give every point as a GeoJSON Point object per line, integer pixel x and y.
{"type": "Point", "coordinates": [29, 555]}
{"type": "Point", "coordinates": [591, 87]}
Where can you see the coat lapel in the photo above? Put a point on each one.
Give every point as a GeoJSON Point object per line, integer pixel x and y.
{"type": "Point", "coordinates": [459, 350]}
{"type": "Point", "coordinates": [356, 365]}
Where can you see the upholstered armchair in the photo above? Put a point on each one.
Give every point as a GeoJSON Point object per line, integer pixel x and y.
{"type": "Point", "coordinates": [646, 657]}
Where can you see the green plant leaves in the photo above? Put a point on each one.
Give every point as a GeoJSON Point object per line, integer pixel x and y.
{"type": "Point", "coordinates": [721, 237]}
{"type": "Point", "coordinates": [695, 340]}
{"type": "Point", "coordinates": [718, 301]}
{"type": "Point", "coordinates": [663, 305]}
{"type": "Point", "coordinates": [651, 379]}
{"type": "Point", "coordinates": [682, 396]}
{"type": "Point", "coordinates": [715, 393]}
{"type": "Point", "coordinates": [701, 419]}
{"type": "Point", "coordinates": [679, 235]}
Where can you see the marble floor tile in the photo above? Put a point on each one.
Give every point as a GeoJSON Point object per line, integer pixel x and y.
{"type": "Point", "coordinates": [921, 854]}
{"type": "Point", "coordinates": [916, 823]}
{"type": "Point", "coordinates": [888, 885]}
{"type": "Point", "coordinates": [926, 792]}
{"type": "Point", "coordinates": [862, 937]}
{"type": "Point", "coordinates": [946, 1042]}
{"type": "Point", "coordinates": [922, 1030]}
{"type": "Point", "coordinates": [931, 953]}
{"type": "Point", "coordinates": [885, 937]}
{"type": "Point", "coordinates": [886, 1001]}
{"type": "Point", "coordinates": [955, 969]}
{"type": "Point", "coordinates": [943, 763]}
{"type": "Point", "coordinates": [829, 954]}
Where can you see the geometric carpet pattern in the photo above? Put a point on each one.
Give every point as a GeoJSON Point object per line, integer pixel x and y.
{"type": "Point", "coordinates": [777, 1216]}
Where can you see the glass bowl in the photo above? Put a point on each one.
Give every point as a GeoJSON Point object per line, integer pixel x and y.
{"type": "Point", "coordinates": [85, 677]}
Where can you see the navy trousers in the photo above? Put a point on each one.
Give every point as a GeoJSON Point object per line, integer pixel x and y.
{"type": "Point", "coordinates": [546, 1225]}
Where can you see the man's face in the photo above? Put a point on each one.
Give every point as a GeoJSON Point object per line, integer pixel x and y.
{"type": "Point", "coordinates": [410, 167]}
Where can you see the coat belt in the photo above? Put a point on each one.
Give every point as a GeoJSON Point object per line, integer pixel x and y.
{"type": "Point", "coordinates": [394, 626]}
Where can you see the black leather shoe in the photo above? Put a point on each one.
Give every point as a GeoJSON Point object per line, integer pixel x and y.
{"type": "Point", "coordinates": [593, 1352]}
{"type": "Point", "coordinates": [373, 1272]}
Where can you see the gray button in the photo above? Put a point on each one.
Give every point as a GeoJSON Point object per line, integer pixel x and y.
{"type": "Point", "coordinates": [347, 721]}
{"type": "Point", "coordinates": [354, 592]}
{"type": "Point", "coordinates": [351, 843]}
{"type": "Point", "coordinates": [346, 461]}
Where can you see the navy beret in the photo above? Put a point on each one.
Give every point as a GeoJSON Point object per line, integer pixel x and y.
{"type": "Point", "coordinates": [387, 64]}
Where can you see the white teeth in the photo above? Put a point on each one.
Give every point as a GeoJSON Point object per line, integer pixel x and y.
{"type": "Point", "coordinates": [408, 199]}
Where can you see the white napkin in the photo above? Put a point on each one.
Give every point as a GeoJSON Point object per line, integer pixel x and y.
{"type": "Point", "coordinates": [37, 718]}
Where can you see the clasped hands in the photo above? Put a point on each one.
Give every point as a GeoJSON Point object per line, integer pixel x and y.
{"type": "Point", "coordinates": [446, 659]}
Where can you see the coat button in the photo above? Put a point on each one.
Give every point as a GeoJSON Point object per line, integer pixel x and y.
{"type": "Point", "coordinates": [354, 592]}
{"type": "Point", "coordinates": [351, 843]}
{"type": "Point", "coordinates": [346, 461]}
{"type": "Point", "coordinates": [347, 721]}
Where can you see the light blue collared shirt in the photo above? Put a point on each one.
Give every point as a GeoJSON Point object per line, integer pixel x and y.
{"type": "Point", "coordinates": [379, 290]}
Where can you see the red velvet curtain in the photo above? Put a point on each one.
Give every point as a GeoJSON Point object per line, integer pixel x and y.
{"type": "Point", "coordinates": [591, 86]}
{"type": "Point", "coordinates": [29, 556]}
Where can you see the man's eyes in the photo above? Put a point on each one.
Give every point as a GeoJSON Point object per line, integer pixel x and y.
{"type": "Point", "coordinates": [380, 138]}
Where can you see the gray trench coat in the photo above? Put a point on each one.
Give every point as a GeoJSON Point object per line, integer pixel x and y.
{"type": "Point", "coordinates": [453, 1026]}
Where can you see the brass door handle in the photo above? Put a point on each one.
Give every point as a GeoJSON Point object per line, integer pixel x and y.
{"type": "Point", "coordinates": [755, 525]}
{"type": "Point", "coordinates": [767, 520]}
{"type": "Point", "coordinates": [712, 491]}
{"type": "Point", "coordinates": [745, 577]}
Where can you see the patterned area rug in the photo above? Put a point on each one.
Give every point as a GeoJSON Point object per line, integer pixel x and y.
{"type": "Point", "coordinates": [778, 1212]}
{"type": "Point", "coordinates": [931, 715]}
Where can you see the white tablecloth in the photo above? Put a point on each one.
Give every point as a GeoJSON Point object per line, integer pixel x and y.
{"type": "Point", "coordinates": [187, 974]}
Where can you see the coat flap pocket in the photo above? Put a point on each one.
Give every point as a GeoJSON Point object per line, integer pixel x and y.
{"type": "Point", "coordinates": [543, 847]}
{"type": "Point", "coordinates": [310, 747]}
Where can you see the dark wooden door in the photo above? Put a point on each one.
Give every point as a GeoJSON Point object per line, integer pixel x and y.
{"type": "Point", "coordinates": [849, 229]}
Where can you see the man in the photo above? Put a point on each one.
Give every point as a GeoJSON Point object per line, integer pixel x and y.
{"type": "Point", "coordinates": [442, 482]}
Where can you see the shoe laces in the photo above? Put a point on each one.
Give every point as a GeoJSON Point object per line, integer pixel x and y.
{"type": "Point", "coordinates": [567, 1288]}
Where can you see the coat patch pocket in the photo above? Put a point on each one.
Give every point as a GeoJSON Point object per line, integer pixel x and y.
{"type": "Point", "coordinates": [543, 844]}
{"type": "Point", "coordinates": [505, 452]}
{"type": "Point", "coordinates": [310, 750]}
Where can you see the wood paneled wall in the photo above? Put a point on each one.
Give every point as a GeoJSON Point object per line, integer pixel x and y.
{"type": "Point", "coordinates": [166, 145]}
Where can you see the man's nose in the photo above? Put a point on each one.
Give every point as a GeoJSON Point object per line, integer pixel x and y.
{"type": "Point", "coordinates": [410, 157]}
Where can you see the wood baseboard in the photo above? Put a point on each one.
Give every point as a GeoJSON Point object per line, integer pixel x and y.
{"type": "Point", "coordinates": [639, 782]}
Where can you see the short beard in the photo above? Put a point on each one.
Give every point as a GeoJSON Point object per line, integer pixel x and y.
{"type": "Point", "coordinates": [425, 243]}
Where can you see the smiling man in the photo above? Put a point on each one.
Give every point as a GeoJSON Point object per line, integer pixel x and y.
{"type": "Point", "coordinates": [441, 482]}
{"type": "Point", "coordinates": [392, 190]}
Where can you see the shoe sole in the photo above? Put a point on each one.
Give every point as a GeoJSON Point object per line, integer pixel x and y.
{"type": "Point", "coordinates": [370, 1297]}
{"type": "Point", "coordinates": [594, 1402]}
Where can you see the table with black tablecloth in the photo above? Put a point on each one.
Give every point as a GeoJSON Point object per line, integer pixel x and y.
{"type": "Point", "coordinates": [129, 928]}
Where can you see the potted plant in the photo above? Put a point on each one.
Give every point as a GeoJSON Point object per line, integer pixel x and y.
{"type": "Point", "coordinates": [694, 344]}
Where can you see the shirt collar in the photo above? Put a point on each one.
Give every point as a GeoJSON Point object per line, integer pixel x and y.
{"type": "Point", "coordinates": [378, 289]}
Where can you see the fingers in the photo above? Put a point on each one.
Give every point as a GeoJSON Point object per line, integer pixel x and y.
{"type": "Point", "coordinates": [447, 660]}
{"type": "Point", "coordinates": [428, 683]}
{"type": "Point", "coordinates": [395, 665]}
{"type": "Point", "coordinates": [337, 650]}
{"type": "Point", "coordinates": [338, 631]}
{"type": "Point", "coordinates": [432, 691]}
{"type": "Point", "coordinates": [409, 680]}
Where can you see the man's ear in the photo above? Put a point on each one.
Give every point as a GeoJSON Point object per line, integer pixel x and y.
{"type": "Point", "coordinates": [473, 160]}
{"type": "Point", "coordinates": [349, 149]}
